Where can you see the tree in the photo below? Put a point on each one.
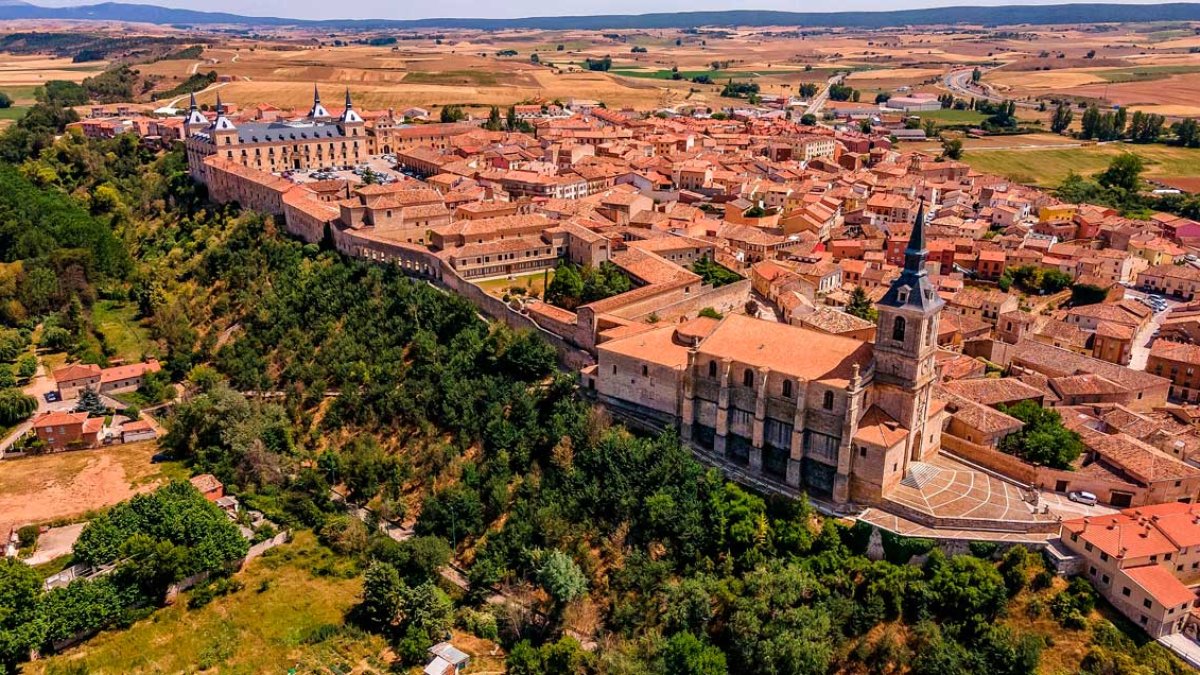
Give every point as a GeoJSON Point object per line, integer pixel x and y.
{"type": "Point", "coordinates": [1043, 440]}
{"type": "Point", "coordinates": [561, 577]}
{"type": "Point", "coordinates": [931, 128]}
{"type": "Point", "coordinates": [1187, 133]}
{"type": "Point", "coordinates": [366, 469]}
{"type": "Point", "coordinates": [20, 626]}
{"type": "Point", "coordinates": [952, 148]}
{"type": "Point", "coordinates": [1061, 120]}
{"type": "Point", "coordinates": [685, 654]}
{"type": "Point", "coordinates": [976, 74]}
{"type": "Point", "coordinates": [1124, 173]}
{"type": "Point", "coordinates": [26, 366]}
{"type": "Point", "coordinates": [566, 287]}
{"type": "Point", "coordinates": [452, 113]}
{"type": "Point", "coordinates": [382, 594]}
{"type": "Point", "coordinates": [5, 101]}
{"type": "Point", "coordinates": [90, 403]}
{"type": "Point", "coordinates": [15, 406]}
{"type": "Point", "coordinates": [808, 120]}
{"type": "Point", "coordinates": [860, 305]}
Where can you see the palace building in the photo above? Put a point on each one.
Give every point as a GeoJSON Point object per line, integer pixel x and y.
{"type": "Point", "coordinates": [843, 418]}
{"type": "Point", "coordinates": [319, 140]}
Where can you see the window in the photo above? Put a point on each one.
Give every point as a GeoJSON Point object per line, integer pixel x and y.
{"type": "Point", "coordinates": [1125, 591]}
{"type": "Point", "coordinates": [787, 388]}
{"type": "Point", "coordinates": [827, 403]}
{"type": "Point", "coordinates": [645, 371]}
{"type": "Point", "coordinates": [1104, 578]}
{"type": "Point", "coordinates": [614, 369]}
{"type": "Point", "coordinates": [748, 378]}
{"type": "Point", "coordinates": [898, 329]}
{"type": "Point", "coordinates": [1147, 604]}
{"type": "Point", "coordinates": [1103, 556]}
{"type": "Point", "coordinates": [712, 368]}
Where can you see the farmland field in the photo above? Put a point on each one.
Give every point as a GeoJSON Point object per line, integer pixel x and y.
{"type": "Point", "coordinates": [67, 485]}
{"type": "Point", "coordinates": [1048, 167]}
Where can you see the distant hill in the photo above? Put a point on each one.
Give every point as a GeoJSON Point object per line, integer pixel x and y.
{"type": "Point", "coordinates": [990, 16]}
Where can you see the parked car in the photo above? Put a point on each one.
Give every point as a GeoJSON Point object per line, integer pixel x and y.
{"type": "Point", "coordinates": [1082, 497]}
{"type": "Point", "coordinates": [52, 397]}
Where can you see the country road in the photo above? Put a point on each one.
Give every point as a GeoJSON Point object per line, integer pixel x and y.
{"type": "Point", "coordinates": [210, 87]}
{"type": "Point", "coordinates": [958, 81]}
{"type": "Point", "coordinates": [814, 108]}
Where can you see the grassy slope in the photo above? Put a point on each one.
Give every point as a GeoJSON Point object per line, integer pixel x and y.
{"type": "Point", "coordinates": [250, 631]}
{"type": "Point", "coordinates": [117, 322]}
{"type": "Point", "coordinates": [1048, 167]}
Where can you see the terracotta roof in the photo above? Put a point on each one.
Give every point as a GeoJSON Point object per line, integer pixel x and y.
{"type": "Point", "coordinates": [132, 370]}
{"type": "Point", "coordinates": [76, 371]}
{"type": "Point", "coordinates": [1161, 585]}
{"type": "Point", "coordinates": [993, 391]}
{"type": "Point", "coordinates": [828, 358]}
{"type": "Point", "coordinates": [60, 418]}
{"type": "Point", "coordinates": [205, 482]}
{"type": "Point", "coordinates": [879, 429]}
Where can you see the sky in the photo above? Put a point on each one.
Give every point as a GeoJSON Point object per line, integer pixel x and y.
{"type": "Point", "coordinates": [402, 9]}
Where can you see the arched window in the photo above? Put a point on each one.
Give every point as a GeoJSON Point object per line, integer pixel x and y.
{"type": "Point", "coordinates": [828, 402]}
{"type": "Point", "coordinates": [898, 329]}
{"type": "Point", "coordinates": [748, 378]}
{"type": "Point", "coordinates": [712, 368]}
{"type": "Point", "coordinates": [787, 388]}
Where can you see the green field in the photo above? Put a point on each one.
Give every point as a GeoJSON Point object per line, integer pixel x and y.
{"type": "Point", "coordinates": [718, 76]}
{"type": "Point", "coordinates": [15, 112]}
{"type": "Point", "coordinates": [1145, 73]}
{"type": "Point", "coordinates": [1049, 167]}
{"type": "Point", "coordinates": [479, 78]}
{"type": "Point", "coordinates": [20, 93]}
{"type": "Point", "coordinates": [118, 323]}
{"type": "Point", "coordinates": [530, 282]}
{"type": "Point", "coordinates": [290, 613]}
{"type": "Point", "coordinates": [949, 117]}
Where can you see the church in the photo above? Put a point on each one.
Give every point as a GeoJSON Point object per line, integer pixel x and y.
{"type": "Point", "coordinates": [319, 140]}
{"type": "Point", "coordinates": [844, 419]}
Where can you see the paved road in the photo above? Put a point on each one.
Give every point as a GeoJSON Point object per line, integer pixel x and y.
{"type": "Point", "coordinates": [814, 107]}
{"type": "Point", "coordinates": [958, 81]}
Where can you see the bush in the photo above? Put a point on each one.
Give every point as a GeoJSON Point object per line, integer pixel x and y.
{"type": "Point", "coordinates": [27, 536]}
{"type": "Point", "coordinates": [477, 623]}
{"type": "Point", "coordinates": [344, 534]}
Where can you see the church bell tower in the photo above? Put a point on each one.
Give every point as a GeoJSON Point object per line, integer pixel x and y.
{"type": "Point", "coordinates": [906, 342]}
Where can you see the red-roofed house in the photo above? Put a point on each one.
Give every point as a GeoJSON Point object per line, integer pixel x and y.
{"type": "Point", "coordinates": [1145, 561]}
{"type": "Point", "coordinates": [63, 430]}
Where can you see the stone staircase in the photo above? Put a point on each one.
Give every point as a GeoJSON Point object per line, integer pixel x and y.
{"type": "Point", "coordinates": [919, 475]}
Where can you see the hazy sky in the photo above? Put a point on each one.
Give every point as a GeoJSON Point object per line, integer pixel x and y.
{"type": "Point", "coordinates": [409, 9]}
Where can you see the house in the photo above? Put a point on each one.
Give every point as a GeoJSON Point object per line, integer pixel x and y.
{"type": "Point", "coordinates": [209, 486]}
{"type": "Point", "coordinates": [447, 660]}
{"type": "Point", "coordinates": [137, 430]}
{"type": "Point", "coordinates": [1142, 560]}
{"type": "Point", "coordinates": [127, 377]}
{"type": "Point", "coordinates": [68, 430]}
{"type": "Point", "coordinates": [1179, 281]}
{"type": "Point", "coordinates": [76, 377]}
{"type": "Point", "coordinates": [1180, 363]}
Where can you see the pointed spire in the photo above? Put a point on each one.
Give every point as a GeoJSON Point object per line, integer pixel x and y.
{"type": "Point", "coordinates": [316, 95]}
{"type": "Point", "coordinates": [915, 253]}
{"type": "Point", "coordinates": [220, 108]}
{"type": "Point", "coordinates": [349, 105]}
{"type": "Point", "coordinates": [193, 102]}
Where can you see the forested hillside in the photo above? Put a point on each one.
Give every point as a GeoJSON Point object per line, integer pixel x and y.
{"type": "Point", "coordinates": [623, 554]}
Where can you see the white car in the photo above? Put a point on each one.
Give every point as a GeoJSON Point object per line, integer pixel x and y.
{"type": "Point", "coordinates": [1081, 497]}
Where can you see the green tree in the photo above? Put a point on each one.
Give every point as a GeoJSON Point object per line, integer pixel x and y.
{"type": "Point", "coordinates": [493, 122]}
{"type": "Point", "coordinates": [15, 406]}
{"type": "Point", "coordinates": [685, 654]}
{"type": "Point", "coordinates": [1043, 440]}
{"type": "Point", "coordinates": [5, 100]}
{"type": "Point", "coordinates": [1124, 172]}
{"type": "Point", "coordinates": [561, 577]}
{"type": "Point", "coordinates": [452, 113]}
{"type": "Point", "coordinates": [860, 305]}
{"type": "Point", "coordinates": [952, 148]}
{"type": "Point", "coordinates": [1061, 121]}
{"type": "Point", "coordinates": [21, 627]}
{"type": "Point", "coordinates": [90, 403]}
